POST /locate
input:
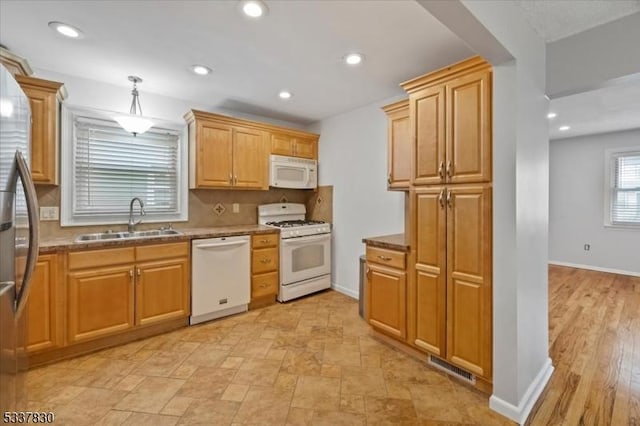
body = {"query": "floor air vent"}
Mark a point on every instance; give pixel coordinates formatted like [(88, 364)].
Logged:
[(452, 369)]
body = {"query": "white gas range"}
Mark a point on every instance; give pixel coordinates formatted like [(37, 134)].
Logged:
[(305, 249)]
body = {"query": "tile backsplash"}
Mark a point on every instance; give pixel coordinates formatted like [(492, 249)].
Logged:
[(207, 207)]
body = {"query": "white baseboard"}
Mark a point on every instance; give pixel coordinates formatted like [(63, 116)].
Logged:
[(344, 290), (595, 268), (520, 413)]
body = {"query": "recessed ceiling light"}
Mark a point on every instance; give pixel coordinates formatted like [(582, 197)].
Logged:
[(254, 8), (353, 59), (563, 128), (66, 29), (285, 95), (200, 69), (552, 115)]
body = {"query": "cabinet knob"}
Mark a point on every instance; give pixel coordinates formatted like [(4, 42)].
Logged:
[(264, 285), (264, 241), (385, 258), (266, 260)]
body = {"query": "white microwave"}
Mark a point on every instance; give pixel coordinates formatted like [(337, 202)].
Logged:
[(293, 172)]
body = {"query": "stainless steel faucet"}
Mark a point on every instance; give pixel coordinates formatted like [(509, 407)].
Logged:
[(132, 225)]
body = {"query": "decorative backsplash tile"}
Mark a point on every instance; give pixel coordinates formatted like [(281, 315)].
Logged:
[(219, 209)]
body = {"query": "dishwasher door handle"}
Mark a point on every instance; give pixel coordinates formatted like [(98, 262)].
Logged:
[(216, 245)]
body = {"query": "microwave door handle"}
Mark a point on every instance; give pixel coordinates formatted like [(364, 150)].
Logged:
[(34, 237)]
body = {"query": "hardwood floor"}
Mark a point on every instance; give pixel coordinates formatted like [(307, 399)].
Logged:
[(594, 335)]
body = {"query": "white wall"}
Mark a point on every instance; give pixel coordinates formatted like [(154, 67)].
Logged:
[(577, 186), (520, 197), (98, 95), (588, 59), (353, 158)]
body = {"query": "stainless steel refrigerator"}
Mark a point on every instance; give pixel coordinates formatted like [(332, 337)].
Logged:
[(18, 238)]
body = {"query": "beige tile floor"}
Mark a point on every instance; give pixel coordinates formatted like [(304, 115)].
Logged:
[(311, 361)]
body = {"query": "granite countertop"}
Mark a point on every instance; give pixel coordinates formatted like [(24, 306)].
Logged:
[(187, 234), (391, 242)]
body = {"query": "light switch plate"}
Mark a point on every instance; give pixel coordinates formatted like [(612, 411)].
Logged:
[(236, 208), (49, 213)]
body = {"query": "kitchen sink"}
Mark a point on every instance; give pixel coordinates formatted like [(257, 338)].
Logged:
[(126, 235)]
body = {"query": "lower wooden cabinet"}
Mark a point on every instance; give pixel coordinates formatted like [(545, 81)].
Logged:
[(162, 285), (113, 290), (43, 311), (99, 302), (387, 291), (264, 269)]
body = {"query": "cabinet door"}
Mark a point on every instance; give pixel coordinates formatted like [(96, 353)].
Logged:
[(249, 158), (43, 326), (387, 300), (281, 144), (469, 128), (469, 302), (44, 135), (427, 111), (214, 156), (430, 269), (162, 290), (100, 302), (399, 152), (305, 148)]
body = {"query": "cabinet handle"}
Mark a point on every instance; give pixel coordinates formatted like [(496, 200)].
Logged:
[(138, 271), (449, 199), (235, 179), (264, 285), (441, 199), (441, 170), (389, 179), (268, 260), (130, 273), (230, 178), (264, 241), (385, 258), (449, 169)]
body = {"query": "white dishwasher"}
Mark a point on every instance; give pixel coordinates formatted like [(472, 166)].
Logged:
[(220, 277)]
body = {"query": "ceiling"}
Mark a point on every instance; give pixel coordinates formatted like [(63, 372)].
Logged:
[(297, 46), (554, 19), (604, 110)]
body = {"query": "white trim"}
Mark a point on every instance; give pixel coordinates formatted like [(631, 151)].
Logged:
[(595, 268), (520, 413), (344, 290)]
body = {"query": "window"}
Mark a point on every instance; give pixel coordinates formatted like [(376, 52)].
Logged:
[(104, 167), (622, 202)]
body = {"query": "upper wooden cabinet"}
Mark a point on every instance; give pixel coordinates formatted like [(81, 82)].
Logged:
[(450, 115), (44, 99), (294, 145), (224, 154), (399, 143)]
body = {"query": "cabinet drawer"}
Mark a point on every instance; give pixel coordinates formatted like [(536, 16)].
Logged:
[(264, 260), (264, 240), (391, 258), (105, 257), (264, 284), (162, 251)]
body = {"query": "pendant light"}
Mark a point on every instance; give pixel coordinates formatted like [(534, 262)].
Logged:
[(134, 122)]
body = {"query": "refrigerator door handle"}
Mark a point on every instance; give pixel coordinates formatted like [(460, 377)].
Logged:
[(34, 237)]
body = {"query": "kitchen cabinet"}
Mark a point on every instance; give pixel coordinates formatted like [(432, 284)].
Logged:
[(162, 283), (100, 293), (224, 155), (43, 310), (118, 289), (399, 145), (294, 145), (44, 99), (450, 116), (452, 294), (264, 269), (386, 291)]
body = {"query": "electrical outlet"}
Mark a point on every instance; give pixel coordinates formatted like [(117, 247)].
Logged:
[(49, 213), (236, 208), (587, 247)]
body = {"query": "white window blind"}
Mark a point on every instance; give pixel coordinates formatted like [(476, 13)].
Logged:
[(625, 189), (111, 166)]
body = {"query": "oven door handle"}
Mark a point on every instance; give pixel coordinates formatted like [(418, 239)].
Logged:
[(305, 240)]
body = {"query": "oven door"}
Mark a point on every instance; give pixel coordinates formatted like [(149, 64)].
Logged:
[(304, 257)]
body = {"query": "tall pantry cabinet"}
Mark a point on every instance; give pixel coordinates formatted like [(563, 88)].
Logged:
[(448, 307)]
